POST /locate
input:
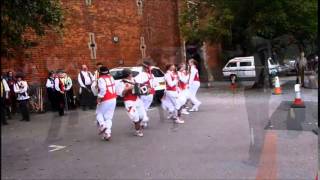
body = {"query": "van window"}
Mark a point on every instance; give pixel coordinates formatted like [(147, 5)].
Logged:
[(245, 63), (118, 74), (157, 73), (232, 64), (273, 62)]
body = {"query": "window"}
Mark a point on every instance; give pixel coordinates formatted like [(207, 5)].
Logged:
[(245, 63), (118, 74), (272, 61), (157, 73), (135, 73), (232, 64)]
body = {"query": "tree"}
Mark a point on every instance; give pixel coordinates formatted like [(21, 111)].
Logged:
[(238, 22), (20, 16)]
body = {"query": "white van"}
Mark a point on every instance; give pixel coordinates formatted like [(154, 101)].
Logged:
[(244, 68)]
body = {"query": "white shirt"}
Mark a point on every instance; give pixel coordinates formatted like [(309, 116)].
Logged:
[(168, 78), (143, 77), (21, 88), (96, 74), (56, 84), (86, 75), (50, 83), (6, 88), (193, 73), (183, 77), (102, 85)]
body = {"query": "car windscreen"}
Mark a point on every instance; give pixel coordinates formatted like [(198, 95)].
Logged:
[(157, 73), (232, 64), (273, 62), (119, 75)]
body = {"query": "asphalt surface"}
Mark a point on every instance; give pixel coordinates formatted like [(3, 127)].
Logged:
[(235, 135)]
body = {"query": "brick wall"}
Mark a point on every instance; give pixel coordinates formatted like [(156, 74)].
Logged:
[(158, 25), (161, 31)]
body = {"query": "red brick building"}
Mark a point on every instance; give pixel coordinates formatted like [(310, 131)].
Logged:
[(114, 32)]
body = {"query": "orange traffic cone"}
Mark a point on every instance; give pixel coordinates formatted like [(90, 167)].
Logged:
[(298, 103), (277, 87)]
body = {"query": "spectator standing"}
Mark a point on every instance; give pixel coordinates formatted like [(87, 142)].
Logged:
[(21, 88), (60, 88), (85, 79), (69, 91), (300, 66), (4, 88), (51, 91), (12, 100)]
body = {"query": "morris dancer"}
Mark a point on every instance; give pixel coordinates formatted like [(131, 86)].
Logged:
[(85, 79), (94, 85), (146, 78), (171, 101), (60, 95), (132, 102), (183, 84), (194, 84), (21, 88), (106, 102)]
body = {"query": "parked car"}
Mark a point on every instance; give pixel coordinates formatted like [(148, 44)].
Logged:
[(156, 71), (244, 68), (290, 64)]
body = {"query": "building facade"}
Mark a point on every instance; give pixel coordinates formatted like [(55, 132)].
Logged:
[(114, 32)]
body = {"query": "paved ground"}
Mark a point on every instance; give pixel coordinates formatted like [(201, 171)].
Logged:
[(248, 134)]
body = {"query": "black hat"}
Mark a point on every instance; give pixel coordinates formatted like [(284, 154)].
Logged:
[(103, 70), (19, 75), (60, 71), (146, 63), (126, 72)]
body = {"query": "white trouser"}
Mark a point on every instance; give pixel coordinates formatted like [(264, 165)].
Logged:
[(136, 111), (104, 112), (147, 100), (193, 88), (172, 101), (167, 105), (186, 93)]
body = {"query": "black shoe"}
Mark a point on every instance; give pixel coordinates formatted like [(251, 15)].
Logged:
[(22, 120), (4, 123)]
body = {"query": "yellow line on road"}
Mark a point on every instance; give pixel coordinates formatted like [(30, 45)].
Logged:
[(267, 169)]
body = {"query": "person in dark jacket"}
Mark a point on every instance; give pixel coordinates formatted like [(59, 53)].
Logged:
[(11, 102), (4, 88), (21, 88), (51, 91), (85, 79)]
